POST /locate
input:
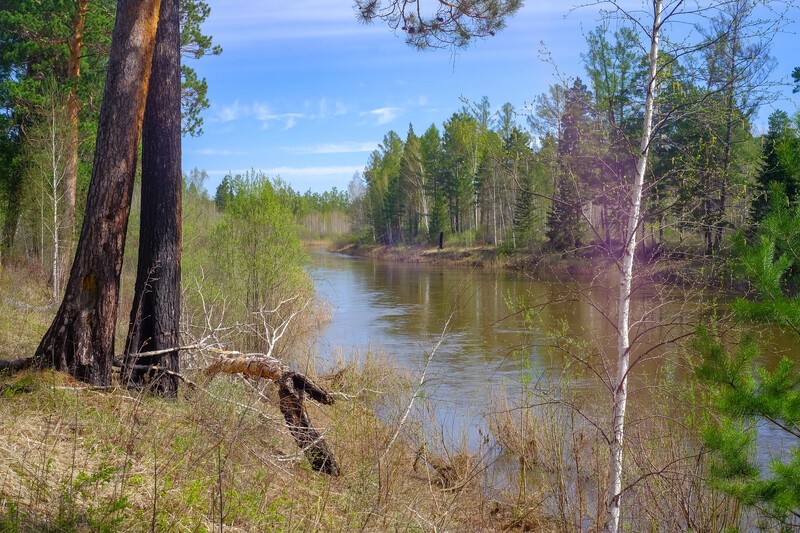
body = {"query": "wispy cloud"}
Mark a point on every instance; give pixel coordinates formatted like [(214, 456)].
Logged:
[(218, 151), (231, 112), (259, 111), (255, 20), (326, 108), (259, 21), (262, 112), (383, 114), (333, 148), (294, 172)]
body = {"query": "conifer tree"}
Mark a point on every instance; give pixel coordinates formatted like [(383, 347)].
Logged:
[(745, 395), (781, 164), (565, 219)]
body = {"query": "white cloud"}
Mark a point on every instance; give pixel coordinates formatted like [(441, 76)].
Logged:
[(259, 111), (384, 114), (218, 151), (262, 112), (333, 148), (326, 108), (294, 172), (291, 119), (259, 21), (232, 112)]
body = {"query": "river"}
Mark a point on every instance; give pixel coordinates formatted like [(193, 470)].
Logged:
[(401, 309)]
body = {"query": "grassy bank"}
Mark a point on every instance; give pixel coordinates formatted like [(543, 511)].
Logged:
[(219, 458), (473, 256), (687, 267)]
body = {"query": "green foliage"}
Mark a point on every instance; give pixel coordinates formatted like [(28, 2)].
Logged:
[(194, 44), (224, 193), (449, 24), (781, 165), (745, 394), (742, 397), (616, 71), (465, 180), (565, 220), (384, 202), (769, 262), (35, 40), (246, 258), (261, 261), (34, 37), (40, 206), (796, 78), (526, 223)]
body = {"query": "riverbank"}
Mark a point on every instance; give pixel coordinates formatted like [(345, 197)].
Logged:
[(676, 268), (219, 458), (473, 256)]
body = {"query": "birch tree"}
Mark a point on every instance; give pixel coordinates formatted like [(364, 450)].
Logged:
[(619, 381), (47, 153), (650, 24)]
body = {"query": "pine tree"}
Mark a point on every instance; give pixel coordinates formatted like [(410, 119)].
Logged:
[(744, 397), (781, 164), (565, 219)]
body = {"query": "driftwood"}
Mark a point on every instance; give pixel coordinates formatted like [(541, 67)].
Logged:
[(16, 365), (292, 389)]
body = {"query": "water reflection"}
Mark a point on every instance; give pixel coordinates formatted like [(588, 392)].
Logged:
[(401, 309)]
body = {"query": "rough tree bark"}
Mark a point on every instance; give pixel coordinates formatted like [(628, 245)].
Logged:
[(155, 316), (81, 338), (75, 45)]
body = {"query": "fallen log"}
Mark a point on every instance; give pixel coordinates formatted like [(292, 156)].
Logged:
[(292, 389), (15, 365)]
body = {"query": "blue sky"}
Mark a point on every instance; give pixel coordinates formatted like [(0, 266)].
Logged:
[(305, 92)]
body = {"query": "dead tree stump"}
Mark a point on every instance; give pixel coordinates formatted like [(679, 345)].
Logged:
[(292, 389)]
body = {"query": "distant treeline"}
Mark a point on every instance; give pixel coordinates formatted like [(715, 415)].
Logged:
[(317, 215), (564, 181)]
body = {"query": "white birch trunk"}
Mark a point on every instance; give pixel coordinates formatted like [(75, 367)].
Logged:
[(620, 383), (494, 206), (424, 201), (55, 186)]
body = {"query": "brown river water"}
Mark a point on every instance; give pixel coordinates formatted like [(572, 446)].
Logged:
[(400, 309)]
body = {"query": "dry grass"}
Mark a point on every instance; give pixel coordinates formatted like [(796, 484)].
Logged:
[(556, 458), (220, 459), (75, 459), (25, 306)]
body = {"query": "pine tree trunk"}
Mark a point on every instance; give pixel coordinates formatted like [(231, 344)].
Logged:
[(73, 140), (619, 386), (81, 338), (155, 316)]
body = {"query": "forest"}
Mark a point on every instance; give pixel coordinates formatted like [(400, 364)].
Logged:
[(159, 370), (558, 180)]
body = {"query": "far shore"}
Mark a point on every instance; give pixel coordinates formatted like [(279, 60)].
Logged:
[(668, 268)]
